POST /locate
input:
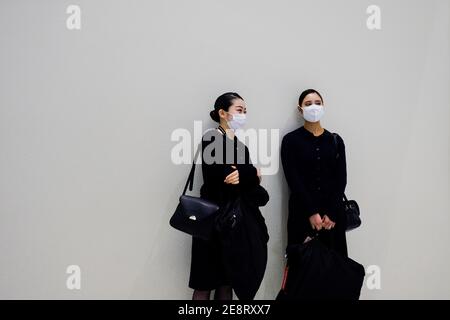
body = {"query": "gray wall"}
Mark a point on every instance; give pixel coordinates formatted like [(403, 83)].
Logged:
[(87, 115)]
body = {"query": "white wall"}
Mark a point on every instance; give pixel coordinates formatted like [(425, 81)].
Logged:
[(86, 119)]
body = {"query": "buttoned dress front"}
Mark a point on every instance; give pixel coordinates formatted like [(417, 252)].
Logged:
[(315, 170)]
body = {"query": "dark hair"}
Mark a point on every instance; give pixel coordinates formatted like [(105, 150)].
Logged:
[(305, 93), (223, 102)]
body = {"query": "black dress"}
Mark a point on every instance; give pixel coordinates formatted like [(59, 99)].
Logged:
[(317, 180), (208, 270)]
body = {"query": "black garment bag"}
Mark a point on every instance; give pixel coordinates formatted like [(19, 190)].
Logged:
[(315, 272)]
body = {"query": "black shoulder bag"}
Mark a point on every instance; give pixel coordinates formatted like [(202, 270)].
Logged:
[(194, 215), (351, 207)]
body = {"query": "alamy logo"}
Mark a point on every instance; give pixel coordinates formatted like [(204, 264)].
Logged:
[(263, 146), (73, 21), (73, 282), (374, 20), (373, 280)]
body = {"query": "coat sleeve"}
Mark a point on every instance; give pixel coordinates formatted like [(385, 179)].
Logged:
[(300, 199), (340, 179), (258, 196), (248, 177), (213, 173)]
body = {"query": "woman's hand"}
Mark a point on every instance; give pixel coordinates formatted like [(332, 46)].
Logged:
[(232, 178), (327, 223), (316, 221), (258, 174)]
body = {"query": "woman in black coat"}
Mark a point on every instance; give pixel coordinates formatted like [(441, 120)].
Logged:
[(316, 178), (228, 173)]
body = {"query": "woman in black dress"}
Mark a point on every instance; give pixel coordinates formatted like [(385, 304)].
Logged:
[(227, 173), (316, 177)]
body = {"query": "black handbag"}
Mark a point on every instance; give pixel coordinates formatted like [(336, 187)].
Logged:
[(194, 215), (351, 208)]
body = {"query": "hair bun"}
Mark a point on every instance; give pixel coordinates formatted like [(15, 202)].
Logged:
[(214, 115)]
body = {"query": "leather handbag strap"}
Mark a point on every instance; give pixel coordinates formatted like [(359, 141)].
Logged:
[(190, 180), (336, 144), (337, 155), (345, 198)]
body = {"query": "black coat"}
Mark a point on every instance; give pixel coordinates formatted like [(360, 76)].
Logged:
[(317, 181), (244, 246), (237, 258)]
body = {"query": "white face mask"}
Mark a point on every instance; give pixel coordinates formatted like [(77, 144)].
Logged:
[(313, 113), (237, 121)]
